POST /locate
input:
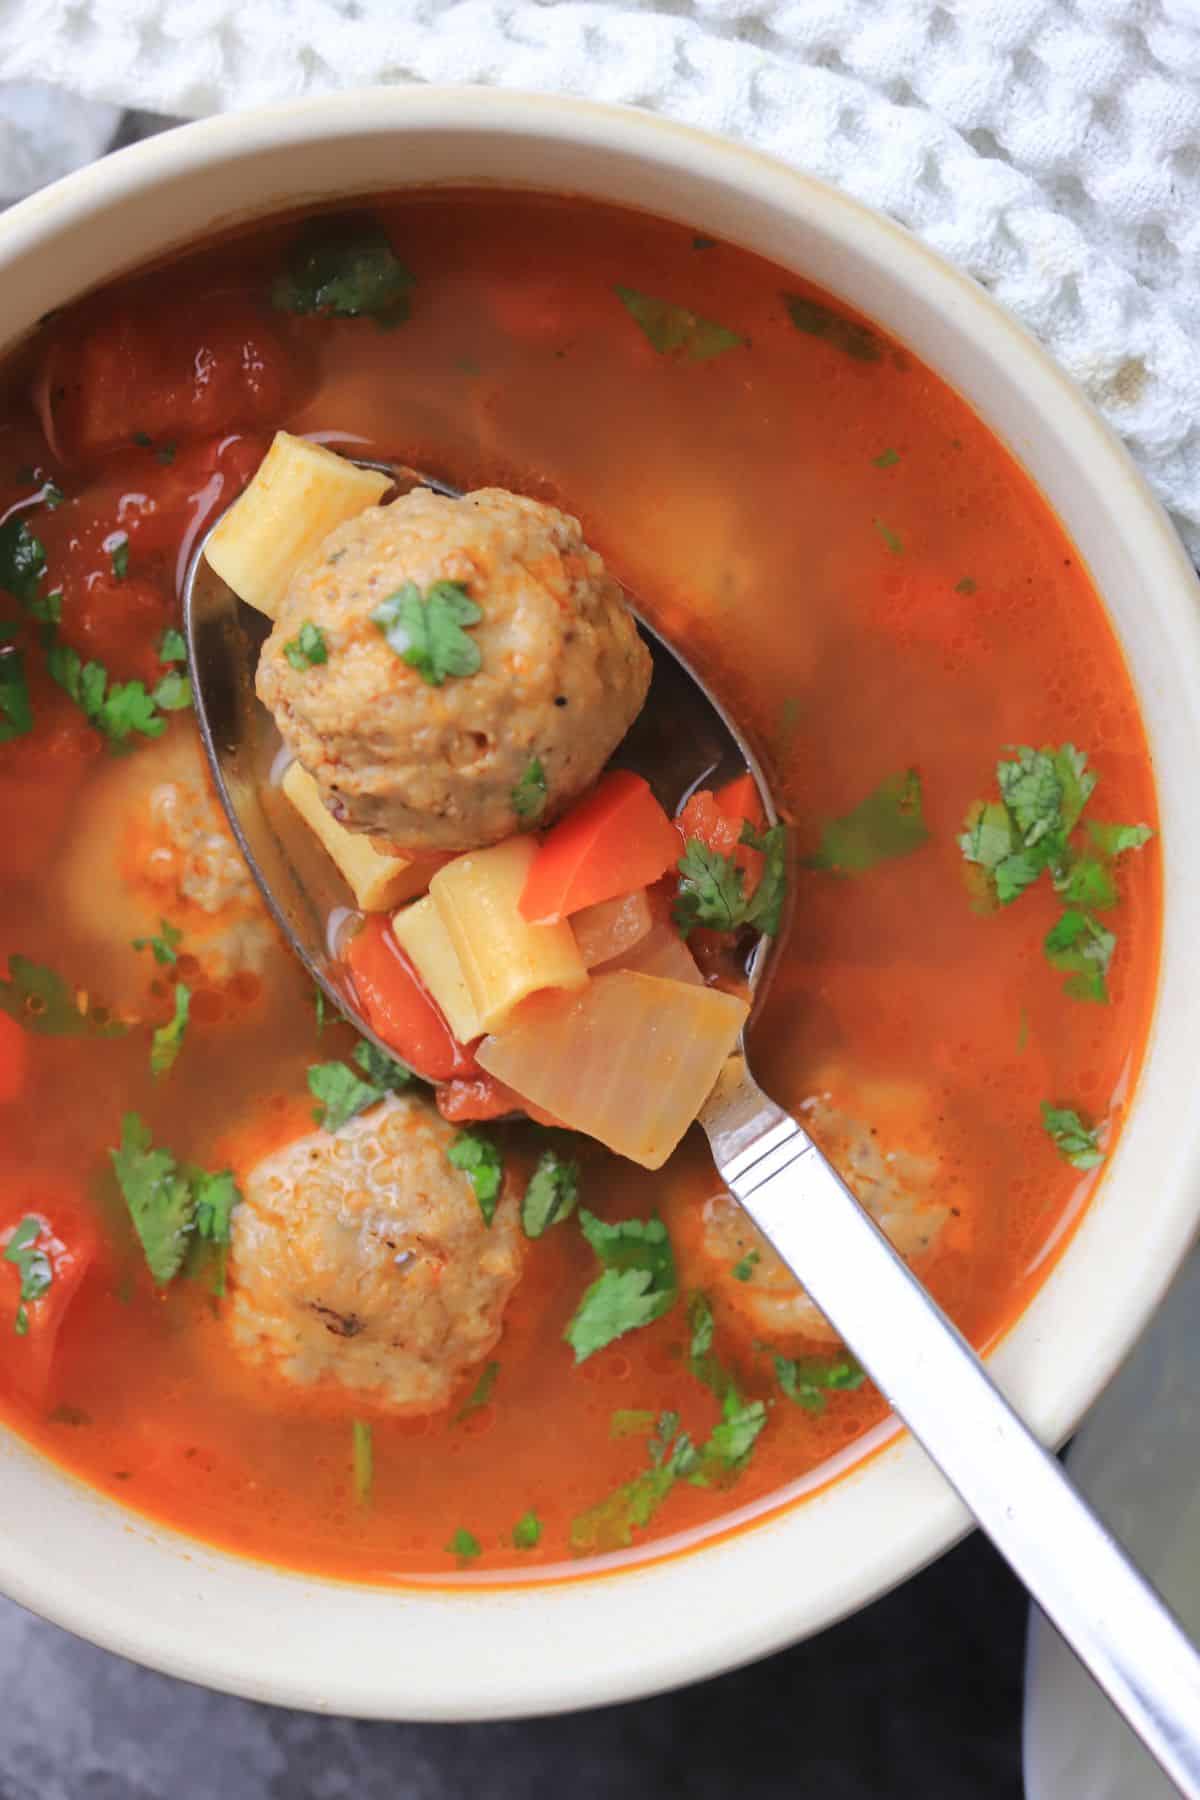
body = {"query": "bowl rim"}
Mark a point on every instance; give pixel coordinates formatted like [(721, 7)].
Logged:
[(496, 1651)]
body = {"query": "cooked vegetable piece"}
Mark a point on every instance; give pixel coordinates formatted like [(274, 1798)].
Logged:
[(1079, 1143), (616, 839), (423, 937), (817, 320), (480, 1162), (399, 1008), (637, 1284), (890, 822), (503, 957), (661, 952), (301, 491), (583, 1058), (377, 881), (611, 928)]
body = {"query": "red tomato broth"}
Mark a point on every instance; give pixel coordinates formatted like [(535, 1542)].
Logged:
[(742, 501)]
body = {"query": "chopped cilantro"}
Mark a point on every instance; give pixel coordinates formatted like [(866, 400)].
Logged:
[(41, 1001), (216, 1196), (744, 1270), (173, 692), (307, 648), (637, 1285), (965, 586), (551, 1195), (840, 333), (727, 1449), (529, 795), (22, 560), (630, 1421), (120, 559), (1088, 882), (33, 1268), (345, 270), (809, 1379), (701, 242), (1115, 840), (889, 823), (1082, 949), (611, 1523), (142, 439), (320, 1008), (16, 712), (712, 886), (172, 647), (674, 331), (343, 1094), (465, 1545), (52, 495), (480, 1162), (46, 608), (428, 633), (167, 1041), (362, 1451), (481, 1393), (118, 709), (159, 1197), (526, 1532), (703, 1361), (165, 945), (1079, 1143), (166, 453), (892, 541), (887, 459)]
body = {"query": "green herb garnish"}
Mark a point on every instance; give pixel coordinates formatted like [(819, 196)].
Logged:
[(808, 1380), (889, 823), (173, 646), (345, 271), (481, 1393), (362, 1452), (893, 542), (427, 633), (834, 329), (526, 1532), (120, 559), (465, 1545), (887, 459), (167, 1203), (166, 453), (307, 648), (702, 1357), (33, 1268), (165, 945), (480, 1162), (965, 586), (744, 1270), (631, 1421), (551, 1195), (529, 795), (167, 1041), (16, 712), (712, 890), (674, 331), (41, 1001), (1079, 1143), (638, 1283), (22, 560), (343, 1094)]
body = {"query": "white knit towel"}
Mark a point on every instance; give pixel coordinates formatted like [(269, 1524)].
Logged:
[(1051, 148)]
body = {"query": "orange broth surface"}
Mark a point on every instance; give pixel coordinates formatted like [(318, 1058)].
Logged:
[(872, 586)]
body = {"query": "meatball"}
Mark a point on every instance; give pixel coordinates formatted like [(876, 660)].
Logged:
[(437, 761), (891, 1149), (362, 1262), (154, 845)]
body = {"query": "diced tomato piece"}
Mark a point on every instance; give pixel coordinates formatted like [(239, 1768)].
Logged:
[(14, 1059), (616, 839), (718, 820), (398, 1006), (69, 1240), (119, 624), (469, 1100), (169, 374)]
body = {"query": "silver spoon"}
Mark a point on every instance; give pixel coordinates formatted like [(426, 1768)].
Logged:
[(1072, 1566)]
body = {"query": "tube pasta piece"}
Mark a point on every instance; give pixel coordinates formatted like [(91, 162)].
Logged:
[(421, 935), (378, 882), (630, 1060), (503, 957), (301, 491)]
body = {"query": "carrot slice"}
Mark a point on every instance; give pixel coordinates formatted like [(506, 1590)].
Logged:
[(618, 838), (14, 1059), (399, 1008)]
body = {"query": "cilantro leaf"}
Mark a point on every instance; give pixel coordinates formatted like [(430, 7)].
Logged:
[(702, 1358), (638, 1283), (307, 648), (16, 712), (809, 1379), (215, 1196), (480, 1162), (362, 1451), (529, 795), (1081, 948), (729, 1444), (33, 1267), (165, 945), (481, 1393), (611, 1523), (887, 459), (744, 1270), (159, 1197), (888, 823), (173, 647), (167, 1041), (428, 632), (526, 1532), (764, 909), (51, 495), (120, 559), (892, 542), (40, 1000), (674, 331), (465, 1545), (834, 329), (551, 1195), (173, 692), (345, 270), (385, 1072), (1087, 882), (343, 1094), (631, 1421), (711, 889), (115, 710), (1079, 1143), (22, 560), (1115, 840), (46, 608)]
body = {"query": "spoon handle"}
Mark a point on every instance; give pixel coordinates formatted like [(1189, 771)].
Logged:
[(1117, 1625)]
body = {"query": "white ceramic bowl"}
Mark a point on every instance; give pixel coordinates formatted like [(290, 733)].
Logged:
[(493, 1651)]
